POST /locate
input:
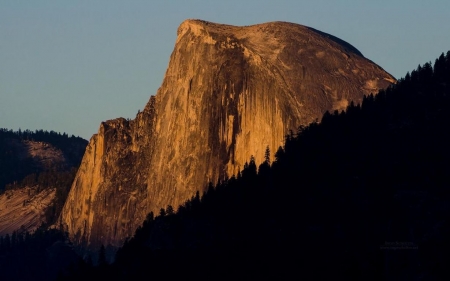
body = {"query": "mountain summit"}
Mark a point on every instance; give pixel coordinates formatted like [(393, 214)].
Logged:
[(228, 93)]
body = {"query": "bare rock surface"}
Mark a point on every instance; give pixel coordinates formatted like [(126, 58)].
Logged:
[(228, 93), (24, 209)]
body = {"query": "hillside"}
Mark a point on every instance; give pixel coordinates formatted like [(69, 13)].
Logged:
[(36, 170), (24, 209), (26, 152)]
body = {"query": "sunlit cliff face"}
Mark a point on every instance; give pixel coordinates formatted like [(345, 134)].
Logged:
[(228, 93)]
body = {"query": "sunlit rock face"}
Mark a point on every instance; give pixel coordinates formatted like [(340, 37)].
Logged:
[(107, 200), (23, 209), (228, 93)]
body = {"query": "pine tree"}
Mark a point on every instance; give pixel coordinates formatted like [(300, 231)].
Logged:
[(267, 155), (169, 210)]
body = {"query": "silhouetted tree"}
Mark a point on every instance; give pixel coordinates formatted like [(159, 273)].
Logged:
[(169, 210), (267, 155)]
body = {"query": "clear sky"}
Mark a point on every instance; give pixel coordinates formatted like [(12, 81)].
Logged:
[(67, 65)]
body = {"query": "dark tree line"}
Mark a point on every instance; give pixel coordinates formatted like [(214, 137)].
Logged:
[(41, 255)]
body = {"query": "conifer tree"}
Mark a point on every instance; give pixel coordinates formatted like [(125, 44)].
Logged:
[(267, 155)]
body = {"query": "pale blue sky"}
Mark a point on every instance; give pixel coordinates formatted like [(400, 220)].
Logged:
[(68, 65)]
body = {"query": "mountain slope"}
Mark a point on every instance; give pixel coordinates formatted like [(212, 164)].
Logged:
[(26, 152), (228, 93), (24, 209), (36, 169)]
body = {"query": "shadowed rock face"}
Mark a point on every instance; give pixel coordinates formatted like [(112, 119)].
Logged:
[(228, 93)]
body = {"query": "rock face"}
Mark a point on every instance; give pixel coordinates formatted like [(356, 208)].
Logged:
[(228, 93), (23, 209)]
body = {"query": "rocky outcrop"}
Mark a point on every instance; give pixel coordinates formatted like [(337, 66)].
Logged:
[(108, 196), (24, 209), (228, 93)]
